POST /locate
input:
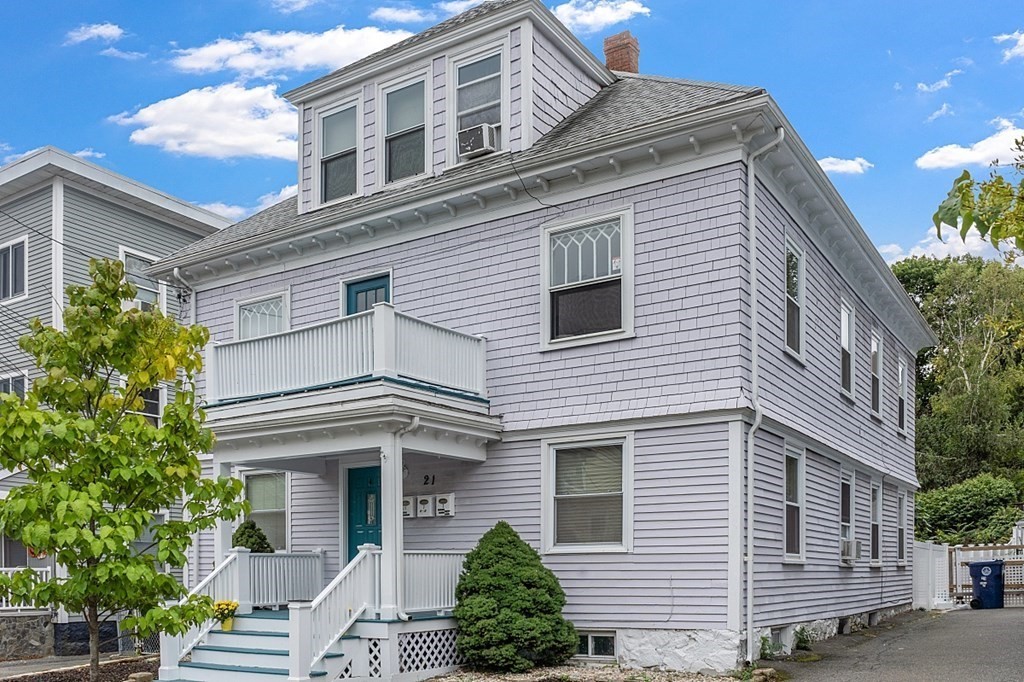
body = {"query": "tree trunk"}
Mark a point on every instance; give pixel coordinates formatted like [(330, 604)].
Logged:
[(92, 618)]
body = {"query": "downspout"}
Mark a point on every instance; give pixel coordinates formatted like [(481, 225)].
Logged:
[(193, 565), (755, 379), (400, 572)]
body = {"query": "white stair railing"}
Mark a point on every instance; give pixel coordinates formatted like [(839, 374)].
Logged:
[(315, 626), (227, 581), (430, 579)]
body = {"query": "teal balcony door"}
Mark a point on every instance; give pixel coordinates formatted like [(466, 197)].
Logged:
[(363, 508), (365, 294)]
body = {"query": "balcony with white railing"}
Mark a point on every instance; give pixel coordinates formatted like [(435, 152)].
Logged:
[(8, 605), (378, 343)]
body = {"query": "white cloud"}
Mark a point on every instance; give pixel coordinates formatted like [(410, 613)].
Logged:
[(127, 55), (106, 32), (401, 15), (4, 147), (456, 6), (931, 245), (221, 122), (857, 166), (11, 158), (589, 16), (944, 110), (89, 153), (236, 212), (292, 6), (998, 145), (897, 86), (1016, 49), (941, 84), (261, 54)]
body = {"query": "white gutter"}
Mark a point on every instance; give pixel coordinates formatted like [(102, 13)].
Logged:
[(400, 551), (755, 382)]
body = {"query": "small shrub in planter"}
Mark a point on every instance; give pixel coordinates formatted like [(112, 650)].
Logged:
[(509, 607), (252, 537)]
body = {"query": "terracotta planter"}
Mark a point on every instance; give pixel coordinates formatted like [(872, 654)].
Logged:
[(227, 624)]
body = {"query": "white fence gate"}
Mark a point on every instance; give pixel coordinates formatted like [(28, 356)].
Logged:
[(931, 576)]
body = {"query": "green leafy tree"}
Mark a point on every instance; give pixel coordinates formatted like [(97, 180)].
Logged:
[(100, 473), (252, 537), (982, 509), (509, 607), (995, 206)]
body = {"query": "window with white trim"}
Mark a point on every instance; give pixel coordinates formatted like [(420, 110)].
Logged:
[(14, 383), (147, 295), (589, 495), (901, 527), (405, 132), (478, 94), (876, 373), (596, 645), (794, 502), (587, 279), (262, 317), (876, 524), (794, 298), (14, 269), (13, 554), (901, 395), (267, 497), (338, 152), (846, 507), (152, 405), (847, 345)]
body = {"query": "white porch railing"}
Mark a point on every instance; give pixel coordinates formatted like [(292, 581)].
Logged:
[(6, 604), (379, 342), (430, 579), (280, 578)]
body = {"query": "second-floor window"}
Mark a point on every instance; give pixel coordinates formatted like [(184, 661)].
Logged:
[(478, 94), (586, 267), (794, 298), (13, 268), (338, 154), (147, 295), (262, 317), (901, 395), (405, 134), (876, 374), (14, 383), (846, 347)]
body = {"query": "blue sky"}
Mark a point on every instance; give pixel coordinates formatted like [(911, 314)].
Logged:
[(900, 96)]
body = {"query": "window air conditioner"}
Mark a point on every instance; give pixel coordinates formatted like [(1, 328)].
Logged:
[(477, 141), (850, 550)]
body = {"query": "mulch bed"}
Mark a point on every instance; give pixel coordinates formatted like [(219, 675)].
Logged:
[(608, 673), (114, 671)]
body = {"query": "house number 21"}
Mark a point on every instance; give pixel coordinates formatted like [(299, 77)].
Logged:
[(429, 480)]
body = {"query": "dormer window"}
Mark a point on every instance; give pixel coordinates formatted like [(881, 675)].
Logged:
[(338, 154), (405, 134), (478, 94)]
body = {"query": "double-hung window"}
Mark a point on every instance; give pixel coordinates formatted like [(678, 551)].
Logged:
[(901, 527), (589, 502), (266, 494), (405, 132), (13, 269), (14, 383), (147, 296), (846, 507), (589, 283), (262, 317), (901, 395), (794, 502), (338, 154), (846, 338), (876, 373), (876, 524), (478, 94), (794, 298)]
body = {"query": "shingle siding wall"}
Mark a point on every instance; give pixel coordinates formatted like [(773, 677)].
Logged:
[(559, 87), (690, 335), (806, 395), (515, 79), (820, 587), (30, 216)]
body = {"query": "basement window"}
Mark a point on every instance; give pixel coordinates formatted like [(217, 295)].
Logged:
[(596, 645)]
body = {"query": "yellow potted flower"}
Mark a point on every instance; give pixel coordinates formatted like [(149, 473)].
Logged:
[(224, 611)]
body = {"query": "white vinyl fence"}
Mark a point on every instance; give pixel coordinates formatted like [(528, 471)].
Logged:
[(931, 576)]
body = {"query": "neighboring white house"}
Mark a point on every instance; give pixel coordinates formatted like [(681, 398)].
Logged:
[(518, 283), (56, 211)]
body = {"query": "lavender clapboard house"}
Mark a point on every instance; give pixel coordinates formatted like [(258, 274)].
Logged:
[(518, 283)]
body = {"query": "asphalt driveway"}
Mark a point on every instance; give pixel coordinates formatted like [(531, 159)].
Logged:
[(973, 646)]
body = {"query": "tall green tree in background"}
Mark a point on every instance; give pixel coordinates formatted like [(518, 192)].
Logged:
[(100, 474)]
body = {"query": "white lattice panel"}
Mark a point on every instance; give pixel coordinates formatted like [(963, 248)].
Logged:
[(428, 650), (375, 657)]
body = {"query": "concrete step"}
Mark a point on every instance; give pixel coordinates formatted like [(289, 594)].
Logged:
[(216, 672)]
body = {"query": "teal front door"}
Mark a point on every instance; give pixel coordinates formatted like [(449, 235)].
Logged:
[(363, 508)]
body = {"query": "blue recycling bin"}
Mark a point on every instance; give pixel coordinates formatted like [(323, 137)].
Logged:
[(987, 577)]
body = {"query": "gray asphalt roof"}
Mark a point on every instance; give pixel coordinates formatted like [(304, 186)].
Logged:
[(630, 102)]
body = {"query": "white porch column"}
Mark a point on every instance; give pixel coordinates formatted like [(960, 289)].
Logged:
[(391, 526), (222, 531)]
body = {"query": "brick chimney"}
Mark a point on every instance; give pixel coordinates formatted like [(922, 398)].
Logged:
[(622, 52)]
